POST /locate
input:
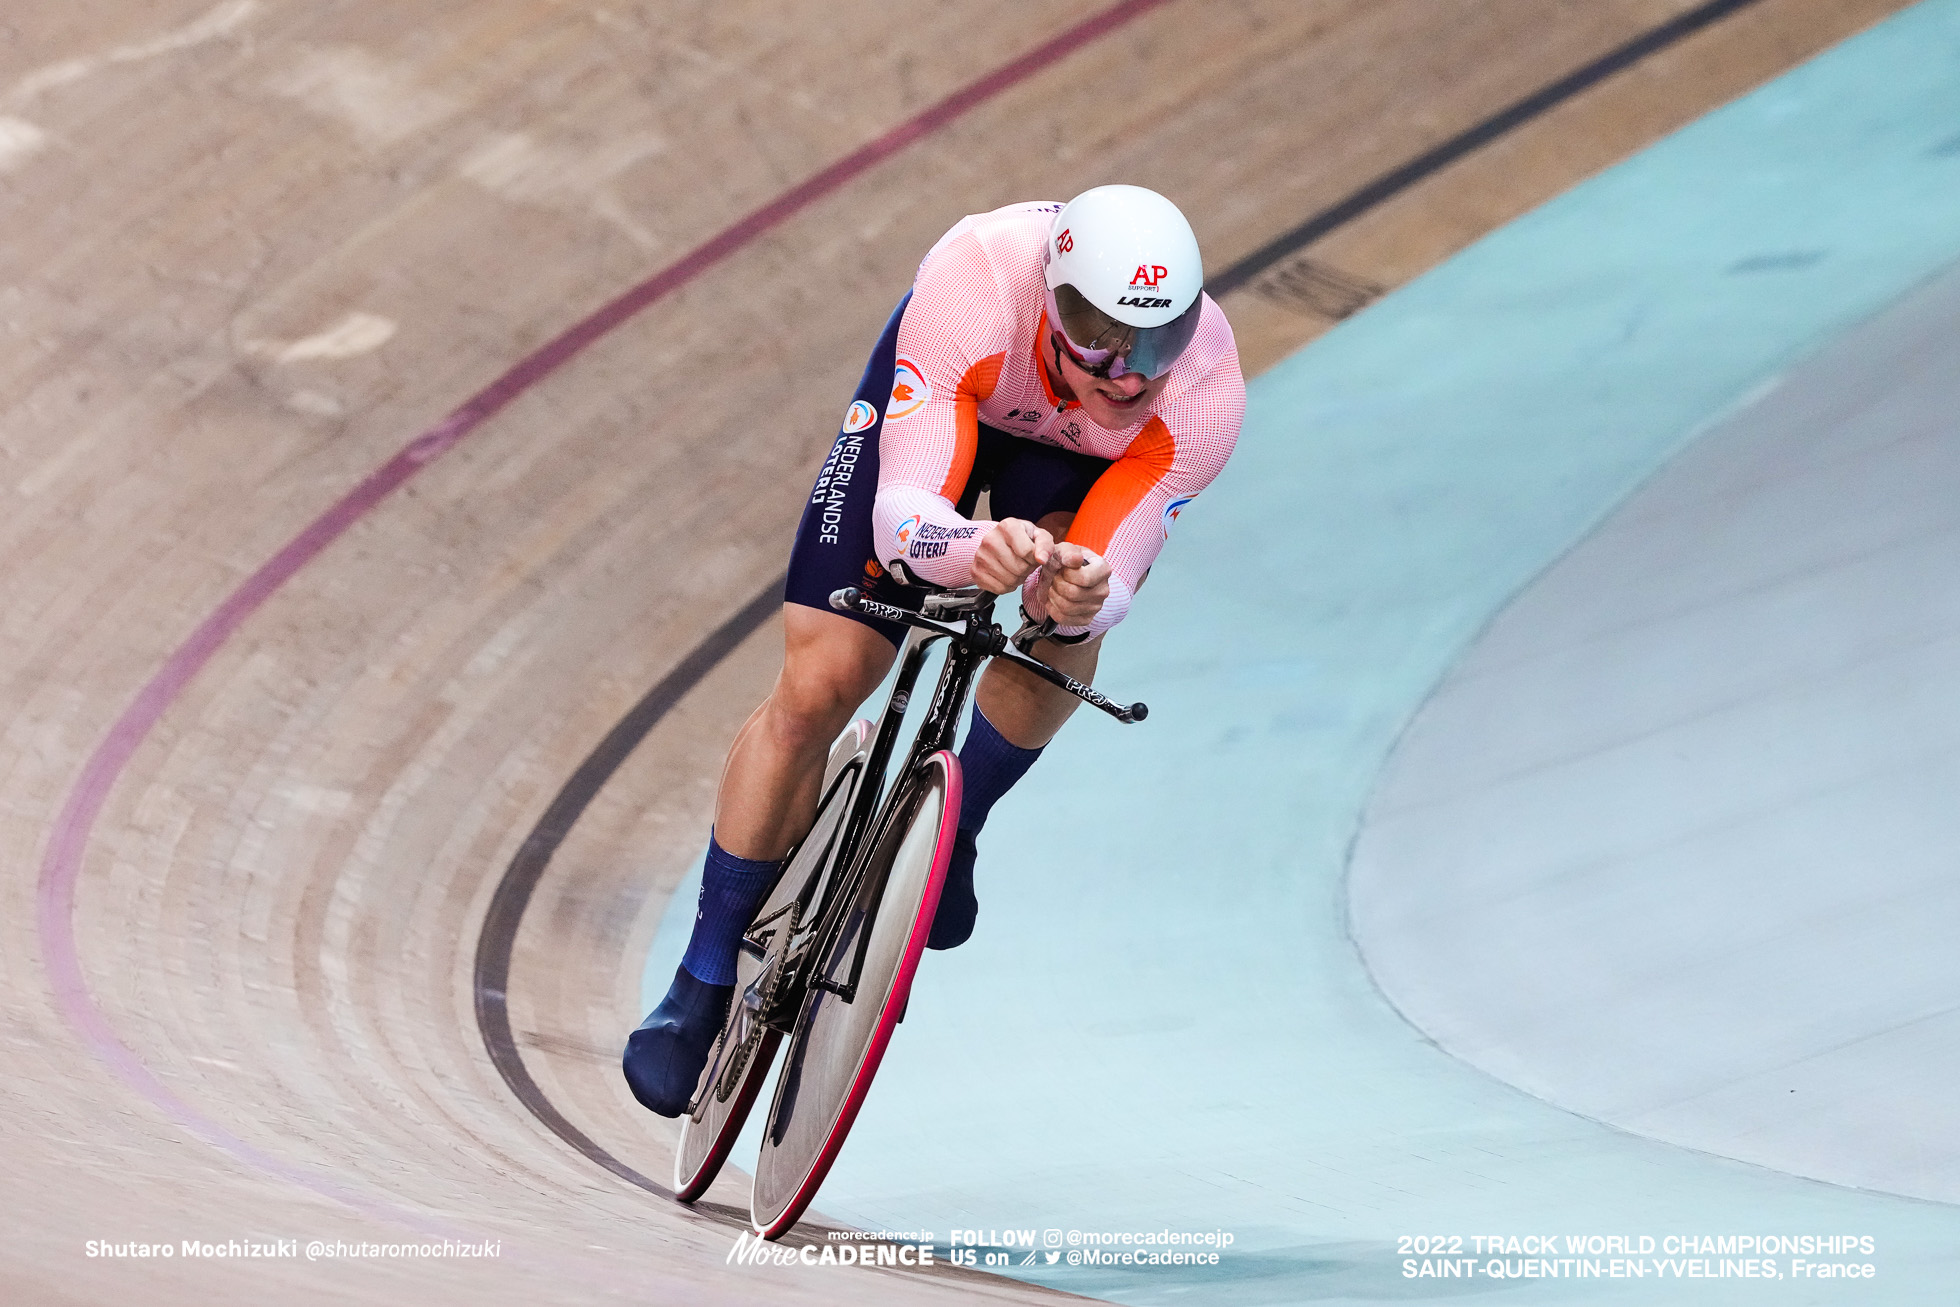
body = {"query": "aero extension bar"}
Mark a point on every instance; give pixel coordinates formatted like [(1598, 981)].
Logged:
[(983, 637)]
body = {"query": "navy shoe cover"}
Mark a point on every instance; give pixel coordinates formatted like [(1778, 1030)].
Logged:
[(953, 924), (664, 1057)]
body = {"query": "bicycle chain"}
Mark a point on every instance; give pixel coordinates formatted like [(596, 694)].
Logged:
[(771, 979)]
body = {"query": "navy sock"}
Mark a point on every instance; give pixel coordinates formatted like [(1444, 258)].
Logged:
[(732, 889), (989, 766)]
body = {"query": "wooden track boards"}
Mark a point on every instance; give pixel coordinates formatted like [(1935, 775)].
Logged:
[(251, 249)]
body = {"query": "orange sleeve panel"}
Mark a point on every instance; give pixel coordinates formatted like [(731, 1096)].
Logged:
[(975, 387), (1123, 485)]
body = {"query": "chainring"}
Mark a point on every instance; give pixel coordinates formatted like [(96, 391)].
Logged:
[(745, 1021)]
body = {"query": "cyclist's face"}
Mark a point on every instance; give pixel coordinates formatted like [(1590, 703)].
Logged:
[(1113, 402)]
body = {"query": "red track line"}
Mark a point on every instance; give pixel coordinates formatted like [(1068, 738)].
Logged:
[(61, 864)]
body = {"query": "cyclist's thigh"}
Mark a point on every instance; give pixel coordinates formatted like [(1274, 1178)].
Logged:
[(834, 546), (830, 663)]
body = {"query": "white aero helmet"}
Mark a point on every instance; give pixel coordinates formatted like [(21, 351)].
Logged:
[(1124, 281)]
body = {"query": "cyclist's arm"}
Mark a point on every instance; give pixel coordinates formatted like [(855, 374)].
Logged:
[(1126, 516), (951, 342)]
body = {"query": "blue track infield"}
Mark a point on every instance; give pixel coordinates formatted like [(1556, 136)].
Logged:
[(1160, 1023)]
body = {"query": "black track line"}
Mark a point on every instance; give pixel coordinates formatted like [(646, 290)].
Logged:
[(520, 879), (1390, 184)]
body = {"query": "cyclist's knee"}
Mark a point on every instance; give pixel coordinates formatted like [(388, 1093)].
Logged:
[(830, 665), (1078, 659), (810, 706), (1057, 523)]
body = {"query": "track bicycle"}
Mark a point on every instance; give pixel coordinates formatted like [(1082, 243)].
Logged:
[(828, 960)]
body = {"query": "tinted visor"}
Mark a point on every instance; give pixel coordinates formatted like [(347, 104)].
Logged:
[(1108, 348)]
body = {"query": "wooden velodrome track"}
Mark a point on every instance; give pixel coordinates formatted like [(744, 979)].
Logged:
[(254, 821)]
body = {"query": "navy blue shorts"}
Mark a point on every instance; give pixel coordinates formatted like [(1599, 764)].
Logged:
[(1026, 479)]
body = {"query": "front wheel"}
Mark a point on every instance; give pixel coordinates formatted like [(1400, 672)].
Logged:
[(837, 1045)]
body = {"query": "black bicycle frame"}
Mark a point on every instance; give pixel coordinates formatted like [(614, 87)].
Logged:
[(970, 645), (935, 733)]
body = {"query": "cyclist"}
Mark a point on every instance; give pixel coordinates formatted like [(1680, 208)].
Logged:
[(1064, 359)]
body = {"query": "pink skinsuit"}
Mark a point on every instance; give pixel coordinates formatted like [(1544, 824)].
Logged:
[(966, 355)]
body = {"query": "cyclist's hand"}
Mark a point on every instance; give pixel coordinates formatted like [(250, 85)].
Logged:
[(1074, 584), (1009, 553)]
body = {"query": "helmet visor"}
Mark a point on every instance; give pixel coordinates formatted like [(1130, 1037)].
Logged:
[(1104, 347)]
